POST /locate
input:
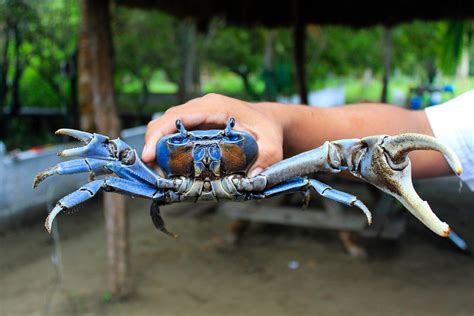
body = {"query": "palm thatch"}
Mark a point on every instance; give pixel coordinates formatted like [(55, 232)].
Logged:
[(285, 13)]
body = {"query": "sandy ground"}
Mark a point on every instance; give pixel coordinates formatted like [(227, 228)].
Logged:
[(200, 274)]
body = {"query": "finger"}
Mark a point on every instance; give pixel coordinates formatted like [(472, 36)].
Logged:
[(268, 154), (166, 124), (153, 133)]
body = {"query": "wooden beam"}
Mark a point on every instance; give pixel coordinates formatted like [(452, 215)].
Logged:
[(293, 216), (96, 89)]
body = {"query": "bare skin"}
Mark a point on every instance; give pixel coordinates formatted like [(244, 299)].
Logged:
[(285, 130)]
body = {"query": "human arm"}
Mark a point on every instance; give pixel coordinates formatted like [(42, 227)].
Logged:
[(285, 130)]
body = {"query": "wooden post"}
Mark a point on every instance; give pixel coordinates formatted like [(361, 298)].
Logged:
[(187, 58), (387, 60), (299, 38), (270, 92), (96, 87)]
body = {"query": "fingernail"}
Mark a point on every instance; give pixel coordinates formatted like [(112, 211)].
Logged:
[(146, 151), (255, 172)]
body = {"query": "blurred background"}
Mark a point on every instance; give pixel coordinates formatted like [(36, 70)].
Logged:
[(161, 61), (110, 66)]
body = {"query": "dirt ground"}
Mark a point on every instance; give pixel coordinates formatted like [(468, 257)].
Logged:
[(200, 274)]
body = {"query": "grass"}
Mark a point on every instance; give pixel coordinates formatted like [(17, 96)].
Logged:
[(356, 89)]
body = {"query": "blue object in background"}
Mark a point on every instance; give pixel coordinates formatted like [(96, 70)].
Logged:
[(449, 88), (416, 102)]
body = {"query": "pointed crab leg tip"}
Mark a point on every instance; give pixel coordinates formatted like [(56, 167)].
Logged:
[(49, 220), (47, 225), (40, 177), (167, 232), (364, 209)]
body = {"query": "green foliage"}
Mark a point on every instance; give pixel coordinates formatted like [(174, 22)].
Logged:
[(40, 37), (346, 51), (238, 50), (456, 35), (416, 47), (144, 42), (107, 297), (46, 32), (36, 92)]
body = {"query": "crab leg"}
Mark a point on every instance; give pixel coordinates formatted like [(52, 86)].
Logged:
[(386, 165), (157, 219), (105, 156), (95, 145), (323, 189), (89, 190), (380, 160), (94, 166), (325, 158)]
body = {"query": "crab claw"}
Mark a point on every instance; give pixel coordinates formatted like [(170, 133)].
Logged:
[(79, 135), (398, 147), (96, 145), (386, 165)]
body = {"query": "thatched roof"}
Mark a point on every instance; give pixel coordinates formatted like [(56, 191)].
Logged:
[(285, 13)]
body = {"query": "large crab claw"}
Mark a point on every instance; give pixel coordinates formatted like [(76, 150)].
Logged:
[(385, 164), (96, 145)]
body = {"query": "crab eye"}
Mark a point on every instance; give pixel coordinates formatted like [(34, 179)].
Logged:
[(127, 156)]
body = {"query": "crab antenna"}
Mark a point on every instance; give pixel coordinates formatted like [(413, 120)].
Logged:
[(180, 128), (229, 126)]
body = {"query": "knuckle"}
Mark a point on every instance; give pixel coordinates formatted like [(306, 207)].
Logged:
[(212, 97), (171, 110), (150, 124)]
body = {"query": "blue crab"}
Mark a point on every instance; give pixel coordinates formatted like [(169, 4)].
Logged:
[(211, 165)]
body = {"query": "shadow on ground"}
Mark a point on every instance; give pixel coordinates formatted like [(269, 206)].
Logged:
[(199, 274)]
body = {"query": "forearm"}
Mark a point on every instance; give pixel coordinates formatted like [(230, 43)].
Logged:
[(309, 127)]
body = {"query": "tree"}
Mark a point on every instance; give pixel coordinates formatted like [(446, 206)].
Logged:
[(240, 51), (457, 38), (17, 17), (144, 42)]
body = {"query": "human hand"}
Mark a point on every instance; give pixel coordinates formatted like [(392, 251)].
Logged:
[(213, 111)]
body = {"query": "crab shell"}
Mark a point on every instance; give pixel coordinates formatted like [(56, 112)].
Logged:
[(206, 153)]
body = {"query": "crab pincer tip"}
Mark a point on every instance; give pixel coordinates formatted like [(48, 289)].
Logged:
[(446, 232)]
